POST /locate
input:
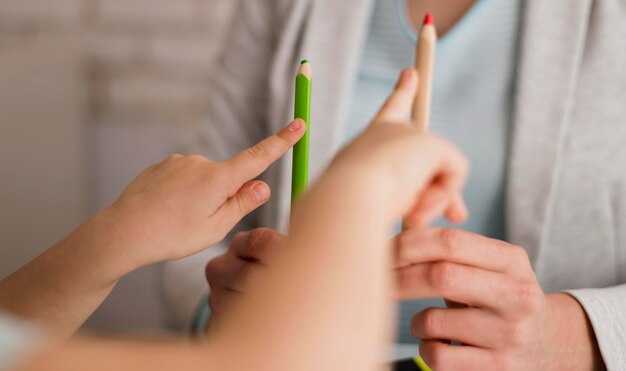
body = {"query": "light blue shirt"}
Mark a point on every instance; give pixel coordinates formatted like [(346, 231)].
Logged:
[(472, 101)]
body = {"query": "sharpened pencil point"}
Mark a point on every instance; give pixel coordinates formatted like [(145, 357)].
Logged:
[(429, 19), (305, 69)]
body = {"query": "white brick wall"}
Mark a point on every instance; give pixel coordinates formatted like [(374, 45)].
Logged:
[(148, 60)]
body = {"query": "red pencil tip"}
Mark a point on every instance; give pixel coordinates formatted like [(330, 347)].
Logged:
[(429, 19)]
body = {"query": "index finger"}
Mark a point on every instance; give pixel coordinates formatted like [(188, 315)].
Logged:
[(397, 107), (419, 246), (250, 163)]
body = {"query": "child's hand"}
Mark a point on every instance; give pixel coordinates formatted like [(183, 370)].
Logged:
[(390, 160), (187, 203), (408, 163)]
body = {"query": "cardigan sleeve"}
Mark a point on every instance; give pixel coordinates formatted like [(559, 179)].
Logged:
[(606, 309)]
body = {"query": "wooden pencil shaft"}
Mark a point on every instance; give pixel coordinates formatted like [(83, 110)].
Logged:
[(425, 65)]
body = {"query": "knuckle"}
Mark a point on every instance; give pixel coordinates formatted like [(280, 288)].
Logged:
[(452, 239), (257, 241), (260, 240), (519, 254), (258, 152), (529, 298), (443, 276), (515, 334), (220, 175), (258, 236)]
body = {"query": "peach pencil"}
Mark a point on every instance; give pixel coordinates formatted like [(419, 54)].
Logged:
[(425, 64)]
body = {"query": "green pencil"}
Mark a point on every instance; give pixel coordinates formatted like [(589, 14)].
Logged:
[(300, 167)]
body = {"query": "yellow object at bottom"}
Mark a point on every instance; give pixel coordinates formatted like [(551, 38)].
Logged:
[(421, 364)]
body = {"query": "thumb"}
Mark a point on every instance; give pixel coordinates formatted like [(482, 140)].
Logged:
[(248, 198)]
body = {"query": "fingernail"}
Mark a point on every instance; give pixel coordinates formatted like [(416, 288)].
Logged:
[(296, 125), (260, 192)]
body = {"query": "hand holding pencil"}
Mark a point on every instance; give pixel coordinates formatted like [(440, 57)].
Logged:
[(420, 118)]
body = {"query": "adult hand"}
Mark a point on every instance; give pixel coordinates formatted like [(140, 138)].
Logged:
[(505, 321), (182, 205), (236, 271)]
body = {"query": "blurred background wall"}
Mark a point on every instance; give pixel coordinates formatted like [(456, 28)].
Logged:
[(91, 92)]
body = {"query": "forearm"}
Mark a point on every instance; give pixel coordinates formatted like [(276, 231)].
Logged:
[(63, 286), (328, 294), (100, 354)]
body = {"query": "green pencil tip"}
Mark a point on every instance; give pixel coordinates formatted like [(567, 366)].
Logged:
[(304, 61)]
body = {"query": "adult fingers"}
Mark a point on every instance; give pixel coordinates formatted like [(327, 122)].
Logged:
[(400, 102), (416, 246), (259, 245), (220, 272), (452, 169), (232, 274), (434, 202), (444, 357), (470, 326), (506, 296), (255, 160), (239, 240)]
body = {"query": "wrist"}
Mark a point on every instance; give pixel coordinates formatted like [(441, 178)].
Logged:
[(362, 181), (101, 240), (573, 334)]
